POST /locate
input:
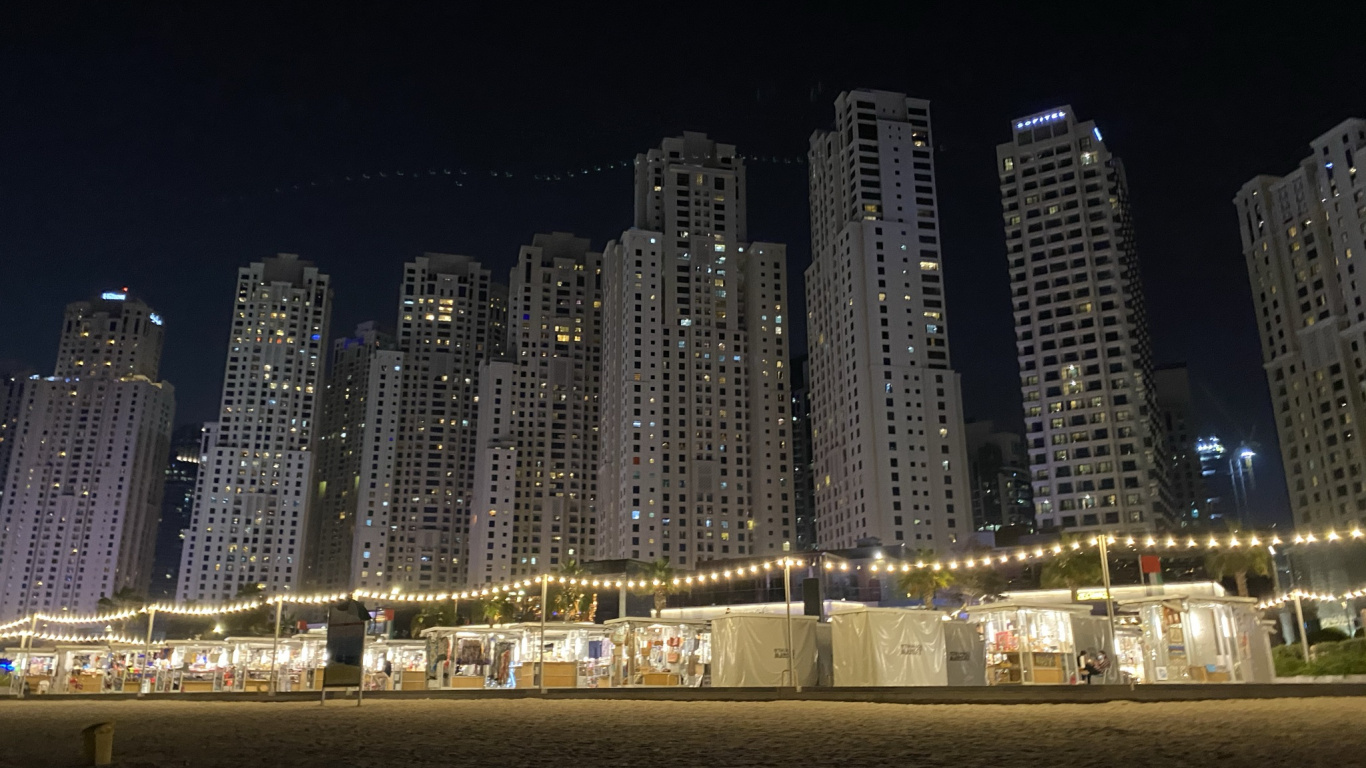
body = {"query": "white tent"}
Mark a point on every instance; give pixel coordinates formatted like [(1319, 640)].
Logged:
[(750, 651), (967, 659), (1203, 640), (889, 646)]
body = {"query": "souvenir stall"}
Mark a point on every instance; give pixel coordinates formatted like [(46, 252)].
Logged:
[(659, 652), (577, 655), (1129, 654), (193, 666), (751, 651), (312, 658), (97, 668), (407, 661), (250, 665), (966, 662), (473, 656), (888, 646), (1202, 640), (1028, 643), (34, 670)]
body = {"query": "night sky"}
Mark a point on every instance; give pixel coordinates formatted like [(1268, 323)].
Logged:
[(163, 147)]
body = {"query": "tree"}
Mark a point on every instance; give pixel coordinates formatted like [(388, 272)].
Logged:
[(1072, 569), (924, 583), (497, 608), (258, 621), (661, 576), (569, 597), (976, 584), (1238, 562), (126, 599), (435, 614)]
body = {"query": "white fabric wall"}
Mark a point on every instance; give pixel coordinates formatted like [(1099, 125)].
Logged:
[(750, 651), (967, 657), (889, 647)]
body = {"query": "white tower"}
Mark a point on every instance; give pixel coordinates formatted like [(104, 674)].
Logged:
[(88, 452), (255, 484), (696, 421), (886, 409)]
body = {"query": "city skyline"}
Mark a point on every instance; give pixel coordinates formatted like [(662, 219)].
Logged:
[(214, 197)]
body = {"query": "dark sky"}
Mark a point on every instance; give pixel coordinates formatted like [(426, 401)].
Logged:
[(159, 147)]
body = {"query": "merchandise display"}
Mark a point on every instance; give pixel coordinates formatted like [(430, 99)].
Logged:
[(1203, 640), (34, 670), (111, 668), (192, 666), (576, 656), (652, 652), (395, 665), (1028, 643)]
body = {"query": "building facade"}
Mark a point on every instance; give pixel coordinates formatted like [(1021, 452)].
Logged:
[(255, 484), (1002, 494), (536, 477), (886, 409), (1175, 409), (87, 459), (696, 444), (1301, 235), (803, 456), (177, 507), (1091, 416), (355, 456), (448, 314)]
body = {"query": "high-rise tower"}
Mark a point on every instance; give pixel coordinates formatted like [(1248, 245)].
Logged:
[(88, 452), (696, 418), (886, 410), (1086, 371), (255, 484), (536, 487)]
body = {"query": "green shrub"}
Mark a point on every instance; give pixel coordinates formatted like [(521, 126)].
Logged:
[(1344, 657)]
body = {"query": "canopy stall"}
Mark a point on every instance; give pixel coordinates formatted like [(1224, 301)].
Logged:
[(966, 655), (577, 655), (192, 666), (250, 665), (97, 668), (1028, 643), (751, 651), (34, 670), (406, 661), (1202, 640), (659, 652), (889, 646)]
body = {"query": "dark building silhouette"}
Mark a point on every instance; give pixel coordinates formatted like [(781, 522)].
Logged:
[(1183, 469), (803, 460), (1002, 495), (177, 503)]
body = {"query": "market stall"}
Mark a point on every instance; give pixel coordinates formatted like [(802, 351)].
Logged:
[(97, 668), (406, 662), (1129, 654), (653, 652), (966, 662), (577, 655), (751, 650), (1091, 635), (888, 646), (250, 665), (1202, 640), (1028, 643), (193, 666), (34, 670)]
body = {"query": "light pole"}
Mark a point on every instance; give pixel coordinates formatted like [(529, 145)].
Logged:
[(147, 649), (1104, 538), (540, 662), (1299, 629), (787, 598), (275, 646)]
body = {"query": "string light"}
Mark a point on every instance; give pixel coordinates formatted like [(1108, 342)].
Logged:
[(1313, 596), (98, 618)]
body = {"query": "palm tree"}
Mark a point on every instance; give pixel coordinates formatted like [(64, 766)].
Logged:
[(435, 614), (1072, 569), (1238, 563), (496, 607), (661, 575), (258, 621), (569, 597), (924, 583), (126, 599), (977, 584)]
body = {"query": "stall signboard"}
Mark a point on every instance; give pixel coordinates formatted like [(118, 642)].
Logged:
[(346, 622)]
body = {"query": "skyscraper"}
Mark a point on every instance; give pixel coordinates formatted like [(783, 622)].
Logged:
[(87, 459), (536, 486), (255, 484), (13, 377), (448, 314), (1301, 235), (886, 409), (1175, 408), (177, 507), (1002, 494), (356, 451), (803, 457), (1081, 330), (696, 434)]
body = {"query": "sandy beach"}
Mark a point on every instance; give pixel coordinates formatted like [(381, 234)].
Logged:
[(161, 734)]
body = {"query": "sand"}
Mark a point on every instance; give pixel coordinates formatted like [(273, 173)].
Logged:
[(436, 732)]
